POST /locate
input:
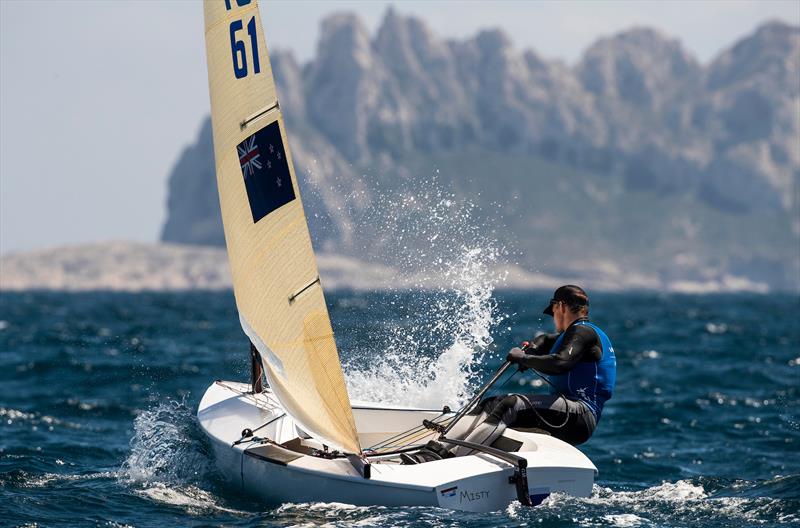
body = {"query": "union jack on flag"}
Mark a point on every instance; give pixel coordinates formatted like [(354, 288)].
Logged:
[(265, 169), (248, 156)]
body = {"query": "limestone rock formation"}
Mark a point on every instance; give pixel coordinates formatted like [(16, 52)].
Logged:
[(704, 161)]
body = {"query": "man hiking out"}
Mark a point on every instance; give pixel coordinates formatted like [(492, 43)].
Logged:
[(579, 364)]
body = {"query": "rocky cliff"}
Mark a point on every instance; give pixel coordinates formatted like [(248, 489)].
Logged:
[(637, 155)]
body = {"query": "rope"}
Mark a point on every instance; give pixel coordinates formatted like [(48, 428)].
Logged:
[(242, 438), (561, 395), (265, 405), (407, 437)]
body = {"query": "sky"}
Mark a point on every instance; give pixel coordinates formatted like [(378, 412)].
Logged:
[(98, 98)]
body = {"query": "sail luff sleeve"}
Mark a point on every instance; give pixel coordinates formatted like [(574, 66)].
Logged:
[(266, 232)]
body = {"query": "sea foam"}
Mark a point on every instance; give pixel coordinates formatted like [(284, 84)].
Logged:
[(168, 461), (430, 357)]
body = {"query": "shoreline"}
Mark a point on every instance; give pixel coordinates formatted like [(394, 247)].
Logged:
[(153, 267)]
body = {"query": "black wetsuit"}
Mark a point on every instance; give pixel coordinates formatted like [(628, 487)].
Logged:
[(568, 419)]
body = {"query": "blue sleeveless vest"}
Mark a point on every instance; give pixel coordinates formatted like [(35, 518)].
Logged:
[(591, 382)]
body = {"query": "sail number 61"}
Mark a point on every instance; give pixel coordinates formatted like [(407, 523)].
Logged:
[(238, 48)]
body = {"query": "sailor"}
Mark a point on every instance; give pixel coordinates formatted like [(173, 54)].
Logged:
[(581, 369), (579, 365)]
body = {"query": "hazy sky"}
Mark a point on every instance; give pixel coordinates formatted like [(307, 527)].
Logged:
[(97, 99)]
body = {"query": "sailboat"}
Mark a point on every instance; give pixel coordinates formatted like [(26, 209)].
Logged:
[(300, 438)]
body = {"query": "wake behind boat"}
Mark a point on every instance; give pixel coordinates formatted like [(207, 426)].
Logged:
[(302, 439)]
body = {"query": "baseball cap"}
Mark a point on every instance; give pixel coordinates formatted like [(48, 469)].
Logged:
[(571, 295)]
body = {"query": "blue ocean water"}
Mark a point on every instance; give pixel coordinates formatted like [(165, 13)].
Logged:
[(99, 392)]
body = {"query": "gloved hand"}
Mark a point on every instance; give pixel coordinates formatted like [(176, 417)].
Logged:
[(515, 355), (532, 348)]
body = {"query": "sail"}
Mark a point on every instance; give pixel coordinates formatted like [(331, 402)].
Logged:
[(275, 279)]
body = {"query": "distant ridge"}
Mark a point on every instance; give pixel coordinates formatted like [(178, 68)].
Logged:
[(133, 266), (637, 152)]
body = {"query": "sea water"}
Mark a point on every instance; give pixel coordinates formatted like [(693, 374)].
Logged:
[(98, 391), (98, 394)]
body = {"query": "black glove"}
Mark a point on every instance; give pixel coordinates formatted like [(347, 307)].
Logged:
[(533, 347), (515, 355)]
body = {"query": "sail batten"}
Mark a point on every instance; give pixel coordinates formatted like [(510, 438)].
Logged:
[(258, 115), (275, 276)]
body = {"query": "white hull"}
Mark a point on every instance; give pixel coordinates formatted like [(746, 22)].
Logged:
[(276, 474)]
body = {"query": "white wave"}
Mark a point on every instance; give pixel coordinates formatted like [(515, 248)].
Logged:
[(680, 492), (46, 479), (667, 502), (165, 448), (167, 462), (331, 514), (624, 520), (331, 507), (720, 328), (192, 499), (9, 416)]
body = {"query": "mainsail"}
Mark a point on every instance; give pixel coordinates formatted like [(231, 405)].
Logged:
[(275, 278)]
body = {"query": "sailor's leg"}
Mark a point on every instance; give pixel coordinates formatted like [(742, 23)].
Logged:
[(565, 419), (434, 450), (475, 417), (493, 422)]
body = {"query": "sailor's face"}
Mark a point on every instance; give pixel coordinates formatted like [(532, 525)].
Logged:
[(559, 315)]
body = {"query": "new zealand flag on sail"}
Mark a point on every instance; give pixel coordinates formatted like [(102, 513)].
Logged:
[(266, 171)]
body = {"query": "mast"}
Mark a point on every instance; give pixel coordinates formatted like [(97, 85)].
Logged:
[(275, 278)]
